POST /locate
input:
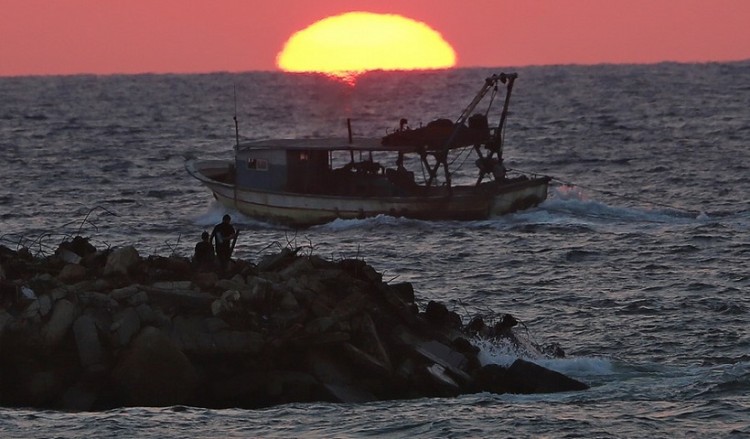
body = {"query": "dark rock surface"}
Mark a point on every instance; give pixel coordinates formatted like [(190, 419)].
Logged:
[(90, 330)]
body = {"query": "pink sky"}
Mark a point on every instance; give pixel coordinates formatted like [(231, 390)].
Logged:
[(39, 37)]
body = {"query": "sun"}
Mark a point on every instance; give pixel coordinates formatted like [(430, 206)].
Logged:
[(352, 43)]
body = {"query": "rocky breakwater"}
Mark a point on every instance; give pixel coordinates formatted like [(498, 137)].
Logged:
[(86, 329)]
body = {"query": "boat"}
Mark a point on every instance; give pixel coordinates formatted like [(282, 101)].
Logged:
[(407, 173)]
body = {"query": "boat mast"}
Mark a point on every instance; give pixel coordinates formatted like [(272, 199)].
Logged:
[(496, 144), (487, 164), (236, 124)]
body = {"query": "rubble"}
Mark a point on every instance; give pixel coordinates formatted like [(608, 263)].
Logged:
[(86, 329)]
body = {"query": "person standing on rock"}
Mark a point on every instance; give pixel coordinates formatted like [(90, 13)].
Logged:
[(204, 257), (225, 236)]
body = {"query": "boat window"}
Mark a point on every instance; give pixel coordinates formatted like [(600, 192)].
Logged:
[(257, 164)]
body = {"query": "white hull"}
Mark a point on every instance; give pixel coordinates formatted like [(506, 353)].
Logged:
[(295, 209)]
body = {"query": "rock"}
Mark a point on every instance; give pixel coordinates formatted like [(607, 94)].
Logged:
[(371, 341), (226, 303), (292, 386), (95, 299), (278, 261), (438, 314), (5, 320), (154, 372), (527, 377), (205, 280), (439, 353), (45, 305), (244, 386), (338, 380), (125, 325), (297, 268), (139, 298), (79, 397), (366, 361), (319, 325), (121, 261), (492, 378), (180, 266), (184, 285), (31, 311), (287, 301), (257, 287), (146, 315), (27, 294), (352, 304), (212, 325), (95, 261), (404, 291), (90, 349), (235, 342), (195, 336), (124, 293), (319, 340), (42, 386), (72, 273), (440, 378), (180, 298), (101, 285), (553, 350), (360, 270), (58, 325), (68, 256), (60, 292), (230, 284), (476, 327), (320, 306), (470, 351), (79, 246), (43, 283)]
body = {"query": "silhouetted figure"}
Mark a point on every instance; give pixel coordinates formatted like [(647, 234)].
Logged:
[(204, 258), (223, 235)]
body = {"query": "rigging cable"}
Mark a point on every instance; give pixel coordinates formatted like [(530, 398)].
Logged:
[(492, 99), (468, 148), (458, 156)]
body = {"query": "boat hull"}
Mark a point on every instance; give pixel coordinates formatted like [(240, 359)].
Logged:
[(294, 209)]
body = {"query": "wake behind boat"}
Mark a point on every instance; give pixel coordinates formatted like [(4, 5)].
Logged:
[(304, 182)]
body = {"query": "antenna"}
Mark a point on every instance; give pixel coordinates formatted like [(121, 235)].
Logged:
[(236, 124)]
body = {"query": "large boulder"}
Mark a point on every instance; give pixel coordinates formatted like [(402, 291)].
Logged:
[(153, 372), (72, 273), (121, 261), (90, 349), (64, 314), (526, 377)]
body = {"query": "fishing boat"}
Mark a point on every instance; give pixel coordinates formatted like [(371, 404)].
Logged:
[(407, 173)]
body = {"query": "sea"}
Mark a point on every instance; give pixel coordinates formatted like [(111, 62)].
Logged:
[(637, 264)]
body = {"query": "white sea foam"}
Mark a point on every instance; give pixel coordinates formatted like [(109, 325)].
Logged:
[(216, 211), (504, 353)]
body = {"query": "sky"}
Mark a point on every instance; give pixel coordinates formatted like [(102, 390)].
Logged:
[(53, 37)]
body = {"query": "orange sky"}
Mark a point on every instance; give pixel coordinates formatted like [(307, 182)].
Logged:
[(137, 36)]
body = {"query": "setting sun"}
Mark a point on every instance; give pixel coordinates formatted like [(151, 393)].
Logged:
[(355, 42)]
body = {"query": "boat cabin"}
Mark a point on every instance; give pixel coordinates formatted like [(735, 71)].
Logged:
[(323, 167)]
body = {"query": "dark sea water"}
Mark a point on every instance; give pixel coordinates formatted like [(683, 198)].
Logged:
[(637, 265)]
